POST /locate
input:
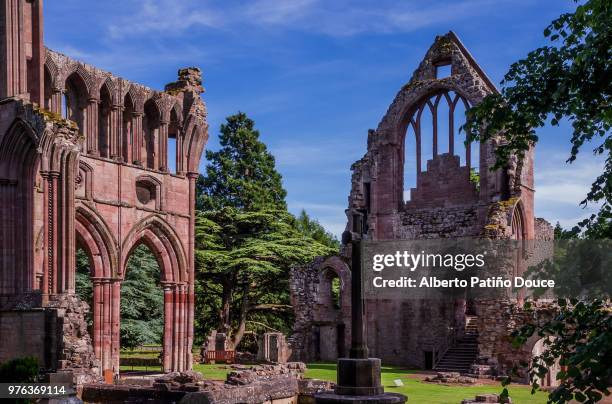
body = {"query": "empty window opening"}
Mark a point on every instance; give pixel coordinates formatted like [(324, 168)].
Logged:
[(443, 71), (434, 129), (172, 154), (410, 162)]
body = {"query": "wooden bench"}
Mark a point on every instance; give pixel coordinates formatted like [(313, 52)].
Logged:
[(220, 356)]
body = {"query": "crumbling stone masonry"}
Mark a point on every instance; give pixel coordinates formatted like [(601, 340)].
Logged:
[(84, 164), (447, 200)]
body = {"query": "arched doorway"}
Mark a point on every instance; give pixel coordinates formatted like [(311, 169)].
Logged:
[(159, 237), (142, 308), (330, 332), (151, 251)]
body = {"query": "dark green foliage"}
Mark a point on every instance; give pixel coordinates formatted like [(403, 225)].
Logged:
[(21, 370), (562, 234), (312, 228), (83, 284), (569, 79), (142, 298), (142, 301), (246, 241), (242, 173), (243, 261), (335, 292), (580, 338)]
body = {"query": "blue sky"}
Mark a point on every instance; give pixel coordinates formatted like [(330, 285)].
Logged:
[(316, 74)]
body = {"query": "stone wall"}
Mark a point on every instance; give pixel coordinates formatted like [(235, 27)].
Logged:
[(446, 201), (86, 165), (321, 331)]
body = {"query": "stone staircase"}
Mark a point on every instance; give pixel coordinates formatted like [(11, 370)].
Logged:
[(461, 356)]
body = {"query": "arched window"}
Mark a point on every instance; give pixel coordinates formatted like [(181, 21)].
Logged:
[(433, 129), (48, 89), (104, 122), (150, 126), (330, 289), (172, 150), (75, 100)]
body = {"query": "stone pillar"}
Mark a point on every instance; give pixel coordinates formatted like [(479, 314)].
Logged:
[(167, 360), (115, 324), (51, 232), (106, 325), (191, 266), (137, 135), (91, 126), (56, 101), (97, 317), (13, 66), (162, 141), (114, 135), (181, 328), (175, 318)]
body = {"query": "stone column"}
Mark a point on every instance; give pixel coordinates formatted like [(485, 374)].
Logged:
[(51, 231), (181, 328), (114, 135), (175, 334), (13, 69), (191, 267), (162, 141), (106, 325), (97, 317), (137, 135), (91, 126), (115, 324), (168, 328), (56, 101)]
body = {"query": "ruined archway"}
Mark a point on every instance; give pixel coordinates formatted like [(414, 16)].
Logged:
[(18, 167), (163, 242)]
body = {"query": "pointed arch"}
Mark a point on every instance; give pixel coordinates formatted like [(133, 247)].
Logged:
[(18, 165), (93, 234), (163, 241)]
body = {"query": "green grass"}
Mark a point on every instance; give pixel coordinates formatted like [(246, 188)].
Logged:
[(212, 372), (420, 392)]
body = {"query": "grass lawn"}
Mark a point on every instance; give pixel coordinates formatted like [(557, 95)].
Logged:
[(426, 393), (214, 372), (417, 391)]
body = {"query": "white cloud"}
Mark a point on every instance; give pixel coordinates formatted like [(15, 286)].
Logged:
[(164, 16), (332, 18), (560, 187)]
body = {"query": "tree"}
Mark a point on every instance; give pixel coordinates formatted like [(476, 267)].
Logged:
[(312, 228), (579, 337), (568, 79), (243, 260), (242, 173), (142, 300), (246, 241)]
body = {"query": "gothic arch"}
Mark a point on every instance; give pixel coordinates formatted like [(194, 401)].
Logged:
[(51, 67), (517, 222), (93, 234), (78, 70), (341, 270), (195, 138), (18, 163), (163, 241)]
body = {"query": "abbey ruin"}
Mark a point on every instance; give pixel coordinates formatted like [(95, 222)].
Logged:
[(84, 163), (456, 194)]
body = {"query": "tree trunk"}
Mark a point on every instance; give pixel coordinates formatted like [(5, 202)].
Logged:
[(244, 311), (225, 321)]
